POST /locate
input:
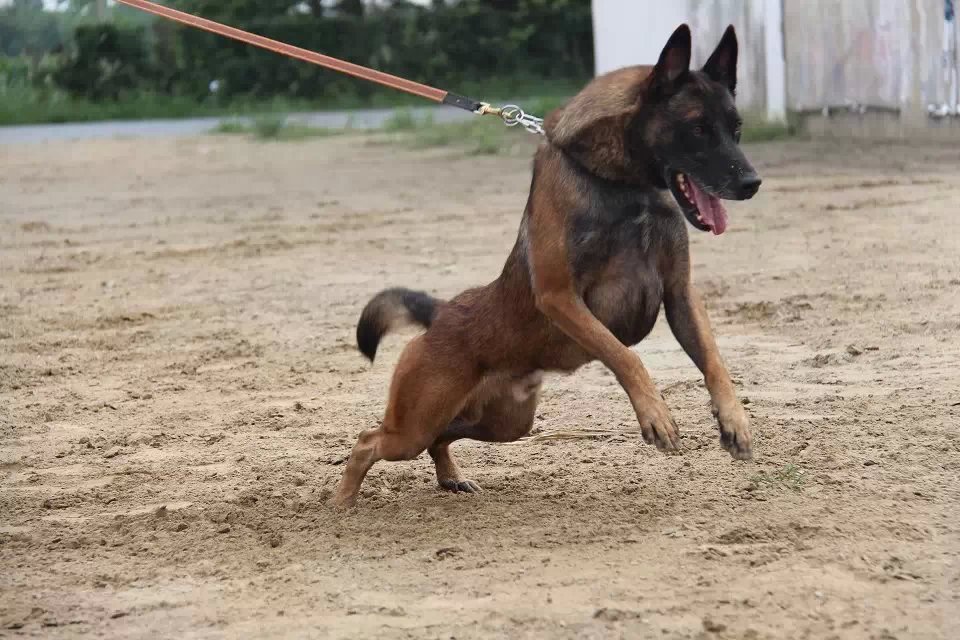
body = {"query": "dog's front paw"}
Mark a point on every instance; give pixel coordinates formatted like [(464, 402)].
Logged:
[(734, 430), (657, 425)]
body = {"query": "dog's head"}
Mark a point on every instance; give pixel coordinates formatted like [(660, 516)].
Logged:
[(675, 127)]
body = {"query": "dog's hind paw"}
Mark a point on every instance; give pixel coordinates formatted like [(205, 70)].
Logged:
[(457, 486), (342, 503)]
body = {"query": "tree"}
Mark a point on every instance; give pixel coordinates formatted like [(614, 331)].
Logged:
[(25, 28), (248, 9), (351, 7), (96, 8), (28, 5)]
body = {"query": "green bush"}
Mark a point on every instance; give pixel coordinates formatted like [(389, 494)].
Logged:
[(275, 127), (15, 73), (107, 62), (447, 45), (26, 29)]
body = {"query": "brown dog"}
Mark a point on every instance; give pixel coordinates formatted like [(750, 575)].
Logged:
[(602, 244)]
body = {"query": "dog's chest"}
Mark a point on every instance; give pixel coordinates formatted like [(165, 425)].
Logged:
[(618, 248)]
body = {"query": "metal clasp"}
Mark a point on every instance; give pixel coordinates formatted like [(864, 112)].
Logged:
[(512, 115)]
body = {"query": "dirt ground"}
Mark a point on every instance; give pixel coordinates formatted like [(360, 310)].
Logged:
[(179, 385)]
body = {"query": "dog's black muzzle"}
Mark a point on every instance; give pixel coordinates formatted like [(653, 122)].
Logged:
[(748, 187)]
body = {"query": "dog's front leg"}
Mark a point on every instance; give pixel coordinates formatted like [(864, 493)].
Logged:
[(556, 298), (570, 314), (691, 326)]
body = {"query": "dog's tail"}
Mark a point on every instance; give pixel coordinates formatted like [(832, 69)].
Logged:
[(392, 309)]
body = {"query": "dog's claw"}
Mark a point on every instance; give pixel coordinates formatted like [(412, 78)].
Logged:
[(734, 432), (657, 426), (732, 445), (666, 438), (457, 486)]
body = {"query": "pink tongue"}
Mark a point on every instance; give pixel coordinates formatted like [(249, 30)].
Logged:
[(711, 209)]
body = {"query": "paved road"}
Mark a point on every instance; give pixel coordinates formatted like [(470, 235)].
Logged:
[(365, 119)]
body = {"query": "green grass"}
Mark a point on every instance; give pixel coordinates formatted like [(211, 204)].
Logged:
[(482, 135), (28, 106), (765, 132), (405, 120), (275, 127), (233, 127), (479, 135), (756, 128), (20, 105), (789, 476)]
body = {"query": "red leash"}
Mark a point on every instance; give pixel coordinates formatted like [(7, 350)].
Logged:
[(511, 114)]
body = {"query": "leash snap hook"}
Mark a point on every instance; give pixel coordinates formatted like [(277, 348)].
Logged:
[(486, 109), (512, 115)]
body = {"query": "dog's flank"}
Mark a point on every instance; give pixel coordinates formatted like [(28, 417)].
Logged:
[(601, 248), (389, 310)]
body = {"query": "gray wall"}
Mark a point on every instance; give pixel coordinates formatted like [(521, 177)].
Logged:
[(631, 32), (884, 54), (709, 18)]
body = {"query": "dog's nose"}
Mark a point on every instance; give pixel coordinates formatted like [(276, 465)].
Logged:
[(749, 185)]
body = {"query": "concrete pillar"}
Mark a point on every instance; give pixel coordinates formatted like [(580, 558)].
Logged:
[(633, 31), (774, 61)]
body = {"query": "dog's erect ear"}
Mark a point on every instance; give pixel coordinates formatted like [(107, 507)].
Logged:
[(722, 64), (674, 59)]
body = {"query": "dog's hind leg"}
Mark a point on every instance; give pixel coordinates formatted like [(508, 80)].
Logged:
[(504, 418), (363, 456), (428, 388), (448, 473)]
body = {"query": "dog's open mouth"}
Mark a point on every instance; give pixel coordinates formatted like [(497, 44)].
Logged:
[(702, 209)]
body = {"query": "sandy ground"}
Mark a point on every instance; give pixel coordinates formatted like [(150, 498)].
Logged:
[(179, 385)]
